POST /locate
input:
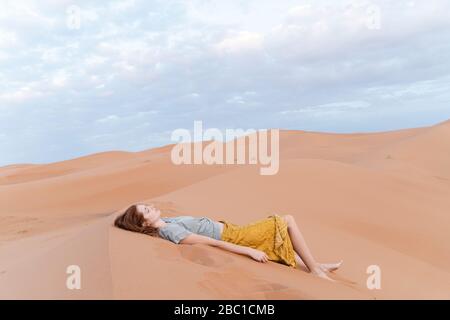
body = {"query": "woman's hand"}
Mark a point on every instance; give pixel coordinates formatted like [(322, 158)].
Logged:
[(257, 255)]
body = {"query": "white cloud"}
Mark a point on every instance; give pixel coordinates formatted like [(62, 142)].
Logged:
[(60, 78), (421, 88), (236, 100), (300, 11), (89, 15), (240, 42), (329, 108), (25, 14), (8, 39), (161, 64), (3, 56), (20, 95), (113, 118), (122, 5), (94, 60), (108, 119)]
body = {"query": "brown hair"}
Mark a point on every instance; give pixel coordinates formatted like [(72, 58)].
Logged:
[(133, 220)]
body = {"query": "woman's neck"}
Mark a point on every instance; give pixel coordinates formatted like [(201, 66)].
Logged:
[(159, 223)]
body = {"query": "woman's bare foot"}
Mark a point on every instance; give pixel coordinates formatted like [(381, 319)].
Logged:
[(329, 267), (321, 274)]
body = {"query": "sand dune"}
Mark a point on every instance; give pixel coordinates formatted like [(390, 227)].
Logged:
[(370, 199)]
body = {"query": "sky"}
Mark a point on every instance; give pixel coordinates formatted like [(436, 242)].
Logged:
[(80, 77)]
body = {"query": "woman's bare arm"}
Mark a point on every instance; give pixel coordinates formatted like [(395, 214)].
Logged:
[(253, 253)]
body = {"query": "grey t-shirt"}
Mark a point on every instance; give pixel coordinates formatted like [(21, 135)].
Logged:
[(178, 228)]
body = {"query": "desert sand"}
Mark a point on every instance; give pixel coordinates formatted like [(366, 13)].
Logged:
[(367, 198)]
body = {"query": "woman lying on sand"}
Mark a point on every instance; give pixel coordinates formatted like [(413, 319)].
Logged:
[(276, 238)]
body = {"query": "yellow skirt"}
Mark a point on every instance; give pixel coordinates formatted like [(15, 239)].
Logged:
[(269, 235)]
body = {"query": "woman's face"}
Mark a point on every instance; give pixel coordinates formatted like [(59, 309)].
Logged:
[(150, 213)]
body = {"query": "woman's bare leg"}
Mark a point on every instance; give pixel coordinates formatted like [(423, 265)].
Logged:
[(304, 255), (300, 263), (299, 244)]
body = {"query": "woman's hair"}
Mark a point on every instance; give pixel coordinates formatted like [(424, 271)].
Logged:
[(133, 220)]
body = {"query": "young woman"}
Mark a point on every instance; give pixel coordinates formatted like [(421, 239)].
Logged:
[(276, 238)]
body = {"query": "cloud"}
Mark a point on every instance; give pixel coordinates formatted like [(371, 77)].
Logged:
[(241, 42), (135, 70), (108, 119), (328, 108), (7, 39), (425, 88), (119, 6), (19, 95), (60, 78)]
